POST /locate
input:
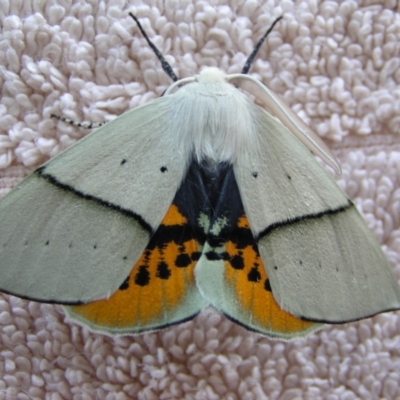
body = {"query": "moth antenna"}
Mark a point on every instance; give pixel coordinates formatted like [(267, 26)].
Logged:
[(250, 60), (165, 65), (85, 125)]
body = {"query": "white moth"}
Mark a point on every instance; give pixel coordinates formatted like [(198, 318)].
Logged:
[(274, 238)]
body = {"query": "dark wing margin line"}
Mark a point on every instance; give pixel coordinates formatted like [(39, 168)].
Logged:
[(39, 300), (53, 180), (301, 218), (340, 322)]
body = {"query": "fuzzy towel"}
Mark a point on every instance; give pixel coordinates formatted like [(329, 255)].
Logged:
[(336, 63)]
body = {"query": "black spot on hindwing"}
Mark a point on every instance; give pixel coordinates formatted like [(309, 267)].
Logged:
[(237, 261), (254, 275), (125, 284), (163, 271), (142, 277), (183, 260)]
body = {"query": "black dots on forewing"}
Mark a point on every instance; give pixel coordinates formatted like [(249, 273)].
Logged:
[(163, 169)]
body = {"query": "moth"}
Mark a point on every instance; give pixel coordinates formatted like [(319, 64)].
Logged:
[(199, 198)]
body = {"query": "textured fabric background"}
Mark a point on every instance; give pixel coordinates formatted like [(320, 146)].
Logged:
[(336, 63)]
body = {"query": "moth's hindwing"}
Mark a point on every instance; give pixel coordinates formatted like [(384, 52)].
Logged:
[(246, 275), (230, 273), (159, 291), (162, 290)]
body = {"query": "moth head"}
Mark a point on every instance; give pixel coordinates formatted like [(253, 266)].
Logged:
[(210, 75)]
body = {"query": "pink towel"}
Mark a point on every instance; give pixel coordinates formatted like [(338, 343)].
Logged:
[(336, 63)]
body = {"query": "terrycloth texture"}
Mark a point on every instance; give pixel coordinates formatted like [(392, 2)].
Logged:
[(336, 63)]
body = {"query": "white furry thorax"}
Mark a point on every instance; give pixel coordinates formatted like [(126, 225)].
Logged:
[(214, 119)]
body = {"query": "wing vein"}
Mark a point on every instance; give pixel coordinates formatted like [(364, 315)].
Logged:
[(301, 218), (129, 213)]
